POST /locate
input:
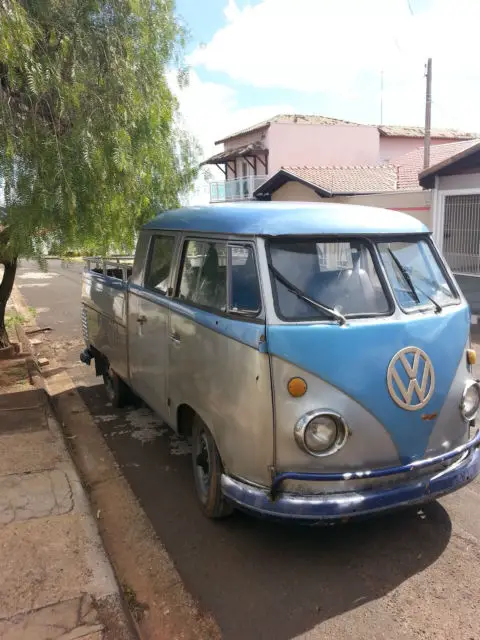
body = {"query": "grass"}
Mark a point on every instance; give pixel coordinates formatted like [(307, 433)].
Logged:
[(13, 318), (137, 608), (12, 375)]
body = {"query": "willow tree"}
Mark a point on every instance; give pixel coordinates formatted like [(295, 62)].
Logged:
[(90, 145)]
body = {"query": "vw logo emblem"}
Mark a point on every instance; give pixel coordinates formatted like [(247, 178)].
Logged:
[(410, 378)]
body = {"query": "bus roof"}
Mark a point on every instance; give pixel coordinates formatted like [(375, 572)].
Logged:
[(287, 218)]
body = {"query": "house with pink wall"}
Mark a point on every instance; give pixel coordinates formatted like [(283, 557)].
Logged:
[(249, 157)]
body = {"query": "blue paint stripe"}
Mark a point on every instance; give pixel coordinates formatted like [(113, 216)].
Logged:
[(287, 218), (354, 358), (377, 473), (248, 333), (335, 506), (109, 281)]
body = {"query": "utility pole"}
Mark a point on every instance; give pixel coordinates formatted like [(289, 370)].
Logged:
[(428, 116), (381, 96)]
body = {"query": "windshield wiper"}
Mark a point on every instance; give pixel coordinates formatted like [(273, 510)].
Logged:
[(333, 313), (432, 283), (408, 280)]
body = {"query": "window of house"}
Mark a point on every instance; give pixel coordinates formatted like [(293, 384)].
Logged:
[(158, 267)]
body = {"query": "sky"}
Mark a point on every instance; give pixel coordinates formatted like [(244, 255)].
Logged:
[(252, 59)]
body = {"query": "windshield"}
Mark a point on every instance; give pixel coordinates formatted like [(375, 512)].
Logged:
[(415, 275), (339, 275)]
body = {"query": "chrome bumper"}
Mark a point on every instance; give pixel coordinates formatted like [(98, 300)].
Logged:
[(338, 506)]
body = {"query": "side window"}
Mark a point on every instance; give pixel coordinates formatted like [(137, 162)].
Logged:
[(158, 268), (245, 288), (204, 274)]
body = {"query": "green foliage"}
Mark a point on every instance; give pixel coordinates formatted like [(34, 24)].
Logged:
[(89, 142), (12, 319)]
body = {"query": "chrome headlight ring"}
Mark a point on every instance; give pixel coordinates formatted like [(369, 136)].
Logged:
[(308, 419), (470, 393)]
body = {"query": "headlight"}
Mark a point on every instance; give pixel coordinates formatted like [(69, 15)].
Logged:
[(470, 400), (321, 433)]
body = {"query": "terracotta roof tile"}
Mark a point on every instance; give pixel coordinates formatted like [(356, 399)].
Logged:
[(353, 179), (400, 176), (427, 176), (411, 164), (419, 132), (288, 118), (399, 131), (252, 149)]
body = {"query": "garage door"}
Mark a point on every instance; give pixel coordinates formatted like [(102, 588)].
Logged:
[(461, 235)]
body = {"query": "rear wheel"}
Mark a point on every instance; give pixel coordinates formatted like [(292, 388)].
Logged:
[(117, 391), (207, 472)]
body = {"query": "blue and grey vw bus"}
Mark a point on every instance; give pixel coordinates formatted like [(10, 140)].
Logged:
[(317, 355)]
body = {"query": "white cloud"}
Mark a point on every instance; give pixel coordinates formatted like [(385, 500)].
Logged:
[(210, 111), (331, 53), (337, 48)]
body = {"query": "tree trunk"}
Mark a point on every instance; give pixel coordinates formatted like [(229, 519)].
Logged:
[(6, 287)]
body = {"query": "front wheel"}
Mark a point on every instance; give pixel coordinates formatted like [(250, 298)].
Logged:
[(207, 472), (117, 391)]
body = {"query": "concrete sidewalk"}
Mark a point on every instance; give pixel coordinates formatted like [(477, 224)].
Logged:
[(56, 582)]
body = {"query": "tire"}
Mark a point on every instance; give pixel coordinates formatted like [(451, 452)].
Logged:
[(118, 392), (207, 472)]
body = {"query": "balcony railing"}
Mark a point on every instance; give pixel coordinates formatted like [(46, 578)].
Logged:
[(237, 189)]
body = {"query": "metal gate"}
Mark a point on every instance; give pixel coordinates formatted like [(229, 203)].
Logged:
[(461, 233)]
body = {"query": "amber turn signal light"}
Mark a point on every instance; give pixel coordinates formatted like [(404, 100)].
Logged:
[(471, 356), (297, 387)]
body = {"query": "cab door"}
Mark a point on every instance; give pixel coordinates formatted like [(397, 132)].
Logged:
[(148, 324), (218, 365)]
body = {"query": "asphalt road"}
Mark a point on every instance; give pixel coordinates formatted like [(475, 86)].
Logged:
[(415, 574)]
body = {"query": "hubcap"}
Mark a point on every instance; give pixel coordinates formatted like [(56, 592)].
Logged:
[(202, 466)]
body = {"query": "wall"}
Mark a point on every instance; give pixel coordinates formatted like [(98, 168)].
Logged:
[(466, 180), (295, 192), (393, 148), (247, 138), (415, 203), (313, 145), (470, 287), (250, 170), (240, 141)]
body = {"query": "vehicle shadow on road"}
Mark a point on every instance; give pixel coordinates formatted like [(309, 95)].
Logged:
[(261, 579)]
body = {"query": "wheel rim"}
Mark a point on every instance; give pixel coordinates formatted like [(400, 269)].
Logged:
[(202, 466)]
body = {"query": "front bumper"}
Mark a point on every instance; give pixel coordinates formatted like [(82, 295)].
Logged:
[(340, 506)]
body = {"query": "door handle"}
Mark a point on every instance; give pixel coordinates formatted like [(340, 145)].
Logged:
[(141, 319), (175, 338)]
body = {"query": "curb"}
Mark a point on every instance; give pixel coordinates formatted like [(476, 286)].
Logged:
[(140, 563), (111, 609)]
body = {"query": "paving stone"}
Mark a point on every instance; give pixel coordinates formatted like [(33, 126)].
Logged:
[(49, 560), (25, 452), (23, 411), (61, 621), (34, 495)]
